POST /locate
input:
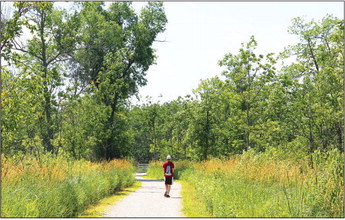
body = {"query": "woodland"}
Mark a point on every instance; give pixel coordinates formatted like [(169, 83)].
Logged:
[(269, 129), (66, 88)]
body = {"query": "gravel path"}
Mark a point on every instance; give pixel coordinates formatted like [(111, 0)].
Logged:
[(149, 201)]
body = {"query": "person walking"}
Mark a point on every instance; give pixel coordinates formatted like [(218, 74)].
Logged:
[(168, 169)]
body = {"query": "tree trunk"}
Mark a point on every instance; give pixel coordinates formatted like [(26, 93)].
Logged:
[(205, 151), (109, 152), (49, 135)]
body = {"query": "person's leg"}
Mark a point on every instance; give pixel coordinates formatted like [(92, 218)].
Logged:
[(168, 189), (168, 182), (166, 186)]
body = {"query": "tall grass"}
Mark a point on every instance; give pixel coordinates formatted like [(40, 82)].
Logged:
[(264, 185), (59, 187)]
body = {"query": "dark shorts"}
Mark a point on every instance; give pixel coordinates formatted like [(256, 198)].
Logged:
[(168, 180)]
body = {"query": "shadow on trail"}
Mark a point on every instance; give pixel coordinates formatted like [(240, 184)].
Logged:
[(175, 197), (140, 177)]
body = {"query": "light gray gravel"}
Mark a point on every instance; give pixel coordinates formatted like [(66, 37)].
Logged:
[(149, 201)]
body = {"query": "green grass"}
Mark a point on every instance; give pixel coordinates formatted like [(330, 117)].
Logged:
[(99, 209), (235, 197), (193, 205), (154, 172), (261, 185), (54, 187)]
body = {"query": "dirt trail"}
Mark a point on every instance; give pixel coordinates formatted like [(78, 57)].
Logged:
[(149, 201)]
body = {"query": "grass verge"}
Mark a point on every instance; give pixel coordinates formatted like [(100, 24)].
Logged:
[(105, 204), (192, 205)]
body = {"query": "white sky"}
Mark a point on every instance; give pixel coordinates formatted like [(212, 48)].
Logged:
[(199, 34)]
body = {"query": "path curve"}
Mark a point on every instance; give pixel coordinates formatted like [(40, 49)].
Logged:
[(149, 201)]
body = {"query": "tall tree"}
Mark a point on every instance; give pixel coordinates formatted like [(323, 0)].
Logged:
[(320, 68), (248, 76), (205, 119), (114, 53), (42, 56)]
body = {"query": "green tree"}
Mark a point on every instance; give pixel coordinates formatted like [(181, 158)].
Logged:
[(21, 111), (39, 58), (11, 27), (114, 53), (204, 123), (47, 48), (248, 77), (320, 69), (179, 115), (82, 126)]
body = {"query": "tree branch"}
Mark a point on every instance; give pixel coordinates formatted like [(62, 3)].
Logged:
[(54, 58), (18, 48), (312, 55)]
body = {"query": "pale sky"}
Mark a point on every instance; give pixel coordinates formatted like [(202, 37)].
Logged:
[(199, 34)]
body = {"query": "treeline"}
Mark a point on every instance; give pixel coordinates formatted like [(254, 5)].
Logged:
[(67, 84), (297, 108)]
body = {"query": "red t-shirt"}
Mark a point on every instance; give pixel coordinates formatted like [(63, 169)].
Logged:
[(168, 166)]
